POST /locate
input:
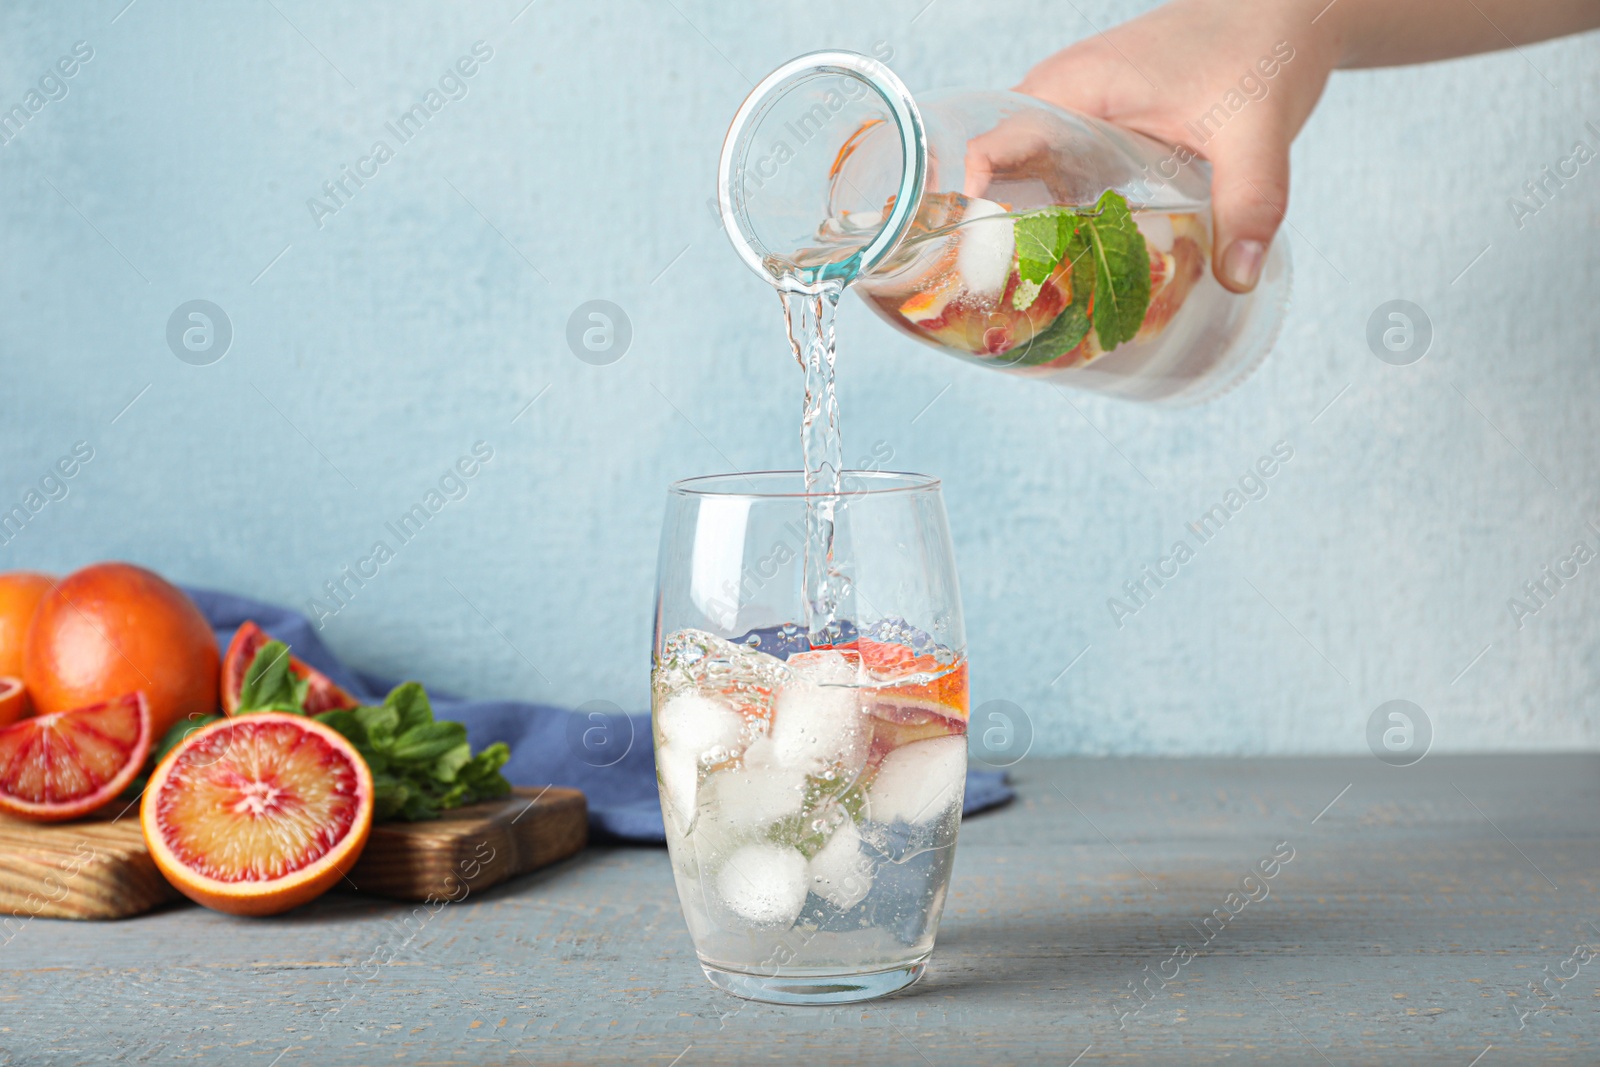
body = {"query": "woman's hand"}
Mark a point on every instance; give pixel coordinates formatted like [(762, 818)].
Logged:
[(1232, 80)]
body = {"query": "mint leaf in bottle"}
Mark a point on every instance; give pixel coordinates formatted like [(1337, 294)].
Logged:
[(1071, 326), (1041, 239), (1122, 270), (1110, 275)]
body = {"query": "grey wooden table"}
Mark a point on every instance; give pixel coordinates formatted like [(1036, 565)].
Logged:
[(1418, 906)]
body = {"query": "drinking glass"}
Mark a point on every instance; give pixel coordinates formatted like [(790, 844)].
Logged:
[(811, 789)]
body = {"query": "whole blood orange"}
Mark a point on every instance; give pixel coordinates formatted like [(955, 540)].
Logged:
[(322, 694), (259, 813), (68, 763), (20, 593), (113, 628)]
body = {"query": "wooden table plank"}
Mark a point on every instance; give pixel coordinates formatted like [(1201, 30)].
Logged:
[(1415, 910)]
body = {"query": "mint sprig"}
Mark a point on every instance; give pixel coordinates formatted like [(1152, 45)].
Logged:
[(268, 683), (420, 766), (1110, 274)]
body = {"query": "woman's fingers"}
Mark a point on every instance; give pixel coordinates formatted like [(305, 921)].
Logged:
[(1018, 148), (1249, 196)]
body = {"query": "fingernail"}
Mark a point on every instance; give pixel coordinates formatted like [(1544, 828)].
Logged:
[(1241, 263)]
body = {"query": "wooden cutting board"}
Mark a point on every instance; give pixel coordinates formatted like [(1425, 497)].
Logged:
[(94, 868), (470, 849), (99, 868)]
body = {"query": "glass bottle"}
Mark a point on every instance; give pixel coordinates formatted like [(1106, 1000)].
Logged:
[(996, 227)]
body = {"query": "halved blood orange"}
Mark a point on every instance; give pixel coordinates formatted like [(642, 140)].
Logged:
[(68, 763), (13, 700), (258, 814), (321, 695)]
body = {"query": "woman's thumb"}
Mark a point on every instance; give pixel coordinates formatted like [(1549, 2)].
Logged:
[(1249, 195)]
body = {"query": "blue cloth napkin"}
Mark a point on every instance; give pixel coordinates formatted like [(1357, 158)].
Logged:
[(604, 752)]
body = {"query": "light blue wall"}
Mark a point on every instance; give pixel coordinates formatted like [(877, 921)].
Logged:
[(425, 314)]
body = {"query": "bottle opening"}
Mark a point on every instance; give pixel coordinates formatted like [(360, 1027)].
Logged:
[(785, 208)]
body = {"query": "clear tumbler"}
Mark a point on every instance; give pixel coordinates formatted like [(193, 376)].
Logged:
[(811, 791)]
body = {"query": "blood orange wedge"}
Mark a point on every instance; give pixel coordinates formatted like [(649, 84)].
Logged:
[(900, 719), (13, 700), (886, 662), (68, 763), (321, 693), (258, 814)]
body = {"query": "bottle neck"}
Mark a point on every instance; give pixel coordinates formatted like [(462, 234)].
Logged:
[(779, 161)]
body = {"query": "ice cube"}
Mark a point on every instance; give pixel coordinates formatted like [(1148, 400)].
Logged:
[(680, 772), (840, 873), (818, 718), (1156, 228), (706, 728), (761, 790), (764, 884), (986, 242), (828, 666), (919, 782), (695, 661)]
